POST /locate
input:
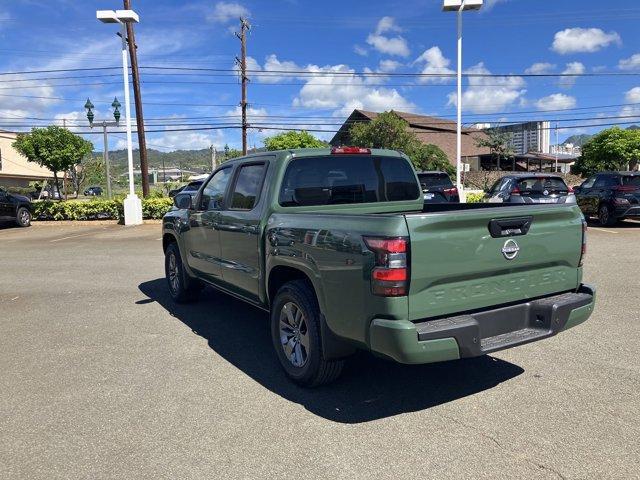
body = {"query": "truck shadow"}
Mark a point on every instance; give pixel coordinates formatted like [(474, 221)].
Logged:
[(370, 388)]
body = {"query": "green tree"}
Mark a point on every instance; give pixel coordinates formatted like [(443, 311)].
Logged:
[(230, 153), (611, 149), (390, 131), (498, 143), (54, 148), (291, 140)]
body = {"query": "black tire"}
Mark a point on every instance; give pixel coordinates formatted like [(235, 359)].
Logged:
[(314, 370), (23, 217), (182, 287), (606, 216)]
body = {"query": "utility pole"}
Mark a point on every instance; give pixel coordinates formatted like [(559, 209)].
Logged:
[(135, 74), (242, 61), (213, 157)]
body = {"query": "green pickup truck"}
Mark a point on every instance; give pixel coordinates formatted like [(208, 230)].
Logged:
[(339, 247)]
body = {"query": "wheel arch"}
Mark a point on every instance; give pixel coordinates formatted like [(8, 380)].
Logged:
[(333, 347)]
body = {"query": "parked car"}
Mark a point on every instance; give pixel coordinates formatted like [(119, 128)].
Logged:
[(530, 188), (437, 187), (339, 246), (611, 196), (48, 193), (94, 191), (17, 208), (191, 188)]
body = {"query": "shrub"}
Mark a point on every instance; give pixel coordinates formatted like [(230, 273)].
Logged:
[(475, 197), (152, 208)]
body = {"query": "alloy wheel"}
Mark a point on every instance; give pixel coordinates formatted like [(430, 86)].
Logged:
[(294, 334), (174, 281)]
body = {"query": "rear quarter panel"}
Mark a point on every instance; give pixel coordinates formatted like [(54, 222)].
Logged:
[(330, 250)]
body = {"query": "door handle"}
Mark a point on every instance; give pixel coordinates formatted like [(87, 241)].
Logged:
[(250, 229)]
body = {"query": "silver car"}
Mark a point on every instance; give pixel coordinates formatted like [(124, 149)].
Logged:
[(530, 188)]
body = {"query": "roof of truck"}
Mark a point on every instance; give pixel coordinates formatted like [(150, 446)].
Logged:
[(314, 152)]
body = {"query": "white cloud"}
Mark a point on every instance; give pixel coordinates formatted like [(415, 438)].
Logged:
[(575, 40), (631, 63), (489, 94), (360, 50), (388, 65), (573, 68), (489, 4), (557, 101), (434, 64), (540, 68), (631, 96), (385, 44), (223, 12), (341, 89), (272, 64)]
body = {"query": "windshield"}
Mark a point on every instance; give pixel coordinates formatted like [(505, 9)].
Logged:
[(540, 184), (340, 179), (431, 180), (192, 187)]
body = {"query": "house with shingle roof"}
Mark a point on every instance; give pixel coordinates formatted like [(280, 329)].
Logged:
[(429, 130)]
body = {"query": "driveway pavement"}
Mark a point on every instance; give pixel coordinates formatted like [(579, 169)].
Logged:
[(101, 376)]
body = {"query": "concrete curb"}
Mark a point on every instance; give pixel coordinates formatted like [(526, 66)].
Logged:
[(84, 223)]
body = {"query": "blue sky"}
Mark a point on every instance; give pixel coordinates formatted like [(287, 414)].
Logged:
[(339, 41)]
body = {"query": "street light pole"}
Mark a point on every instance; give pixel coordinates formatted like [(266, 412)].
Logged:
[(459, 112), (460, 6), (105, 154), (132, 204), (105, 151)]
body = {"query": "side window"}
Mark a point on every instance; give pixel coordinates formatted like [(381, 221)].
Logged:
[(600, 182), (247, 186), (213, 193), (588, 183)]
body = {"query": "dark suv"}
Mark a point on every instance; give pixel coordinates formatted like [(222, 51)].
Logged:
[(612, 196), (437, 187), (15, 207)]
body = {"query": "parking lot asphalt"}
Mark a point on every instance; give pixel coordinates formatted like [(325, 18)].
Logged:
[(101, 376)]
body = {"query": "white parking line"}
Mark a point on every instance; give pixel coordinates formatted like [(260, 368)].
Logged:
[(71, 236), (603, 230)]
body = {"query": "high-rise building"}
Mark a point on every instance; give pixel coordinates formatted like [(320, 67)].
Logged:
[(529, 137)]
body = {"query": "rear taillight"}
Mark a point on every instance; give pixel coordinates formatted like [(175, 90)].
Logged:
[(451, 191), (515, 191), (583, 252), (571, 192), (350, 151), (390, 276)]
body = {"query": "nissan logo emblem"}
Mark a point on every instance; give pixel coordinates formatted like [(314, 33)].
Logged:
[(510, 249)]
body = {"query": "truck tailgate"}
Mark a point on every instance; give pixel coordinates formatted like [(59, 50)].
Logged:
[(457, 263)]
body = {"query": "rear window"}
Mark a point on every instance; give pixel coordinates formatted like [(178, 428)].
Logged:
[(631, 180), (540, 184), (431, 180), (342, 179)]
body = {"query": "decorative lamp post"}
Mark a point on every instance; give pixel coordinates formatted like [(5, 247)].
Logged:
[(105, 151)]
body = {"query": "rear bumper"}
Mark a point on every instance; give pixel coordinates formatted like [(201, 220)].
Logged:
[(628, 212), (482, 332)]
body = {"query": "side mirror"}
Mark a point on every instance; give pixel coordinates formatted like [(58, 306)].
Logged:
[(183, 201)]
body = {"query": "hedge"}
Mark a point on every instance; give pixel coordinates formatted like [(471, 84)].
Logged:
[(152, 208), (475, 197)]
